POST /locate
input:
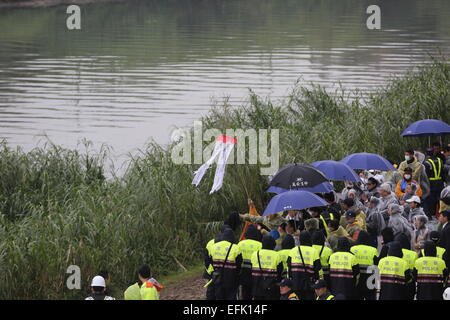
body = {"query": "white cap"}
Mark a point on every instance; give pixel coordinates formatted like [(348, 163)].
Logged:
[(446, 294), (98, 281), (413, 199)]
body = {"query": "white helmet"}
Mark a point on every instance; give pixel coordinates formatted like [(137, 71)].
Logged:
[(446, 294)]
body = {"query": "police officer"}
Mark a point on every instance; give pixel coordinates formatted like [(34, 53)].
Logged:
[(247, 248), (430, 272), (286, 292), (324, 253), (366, 255), (322, 293), (344, 270), (266, 271), (410, 257), (394, 274), (226, 259), (286, 246), (434, 236), (434, 167), (304, 267)]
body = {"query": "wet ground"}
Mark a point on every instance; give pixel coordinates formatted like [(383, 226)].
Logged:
[(188, 289)]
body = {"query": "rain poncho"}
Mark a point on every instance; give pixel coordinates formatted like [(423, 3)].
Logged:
[(374, 219), (333, 237), (398, 223), (384, 204)]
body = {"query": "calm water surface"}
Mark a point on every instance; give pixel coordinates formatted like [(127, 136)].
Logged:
[(138, 69)]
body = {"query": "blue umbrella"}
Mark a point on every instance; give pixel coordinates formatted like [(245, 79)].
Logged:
[(426, 128), (323, 187), (335, 170), (293, 200), (368, 161)]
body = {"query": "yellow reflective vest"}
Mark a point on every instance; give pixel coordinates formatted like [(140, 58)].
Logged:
[(430, 270), (269, 260), (247, 248), (439, 252), (392, 270), (310, 255), (365, 256)]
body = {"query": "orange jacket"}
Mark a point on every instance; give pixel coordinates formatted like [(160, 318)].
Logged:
[(400, 193)]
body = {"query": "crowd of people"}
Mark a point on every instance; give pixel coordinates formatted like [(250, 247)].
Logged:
[(386, 237)]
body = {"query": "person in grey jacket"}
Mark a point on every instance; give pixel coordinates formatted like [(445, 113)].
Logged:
[(397, 222), (414, 208), (387, 198), (374, 219)]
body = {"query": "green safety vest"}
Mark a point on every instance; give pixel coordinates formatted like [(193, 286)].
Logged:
[(310, 255), (209, 245), (410, 257), (269, 260), (430, 270), (219, 252), (437, 172), (439, 252), (247, 248), (284, 255), (341, 265), (365, 256), (324, 258), (392, 270)]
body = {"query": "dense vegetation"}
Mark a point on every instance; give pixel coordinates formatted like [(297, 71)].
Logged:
[(58, 209)]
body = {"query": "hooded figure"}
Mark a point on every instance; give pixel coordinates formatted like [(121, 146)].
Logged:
[(429, 249), (228, 235), (374, 221), (395, 249), (226, 259), (304, 267), (366, 255), (305, 238), (233, 221), (394, 279), (248, 246), (398, 223), (253, 233), (318, 240), (344, 270), (266, 271), (286, 246), (343, 245), (410, 257), (288, 242), (430, 272)]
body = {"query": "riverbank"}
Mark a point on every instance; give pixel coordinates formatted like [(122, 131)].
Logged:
[(57, 208)]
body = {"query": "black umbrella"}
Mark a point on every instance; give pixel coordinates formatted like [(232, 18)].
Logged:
[(296, 175)]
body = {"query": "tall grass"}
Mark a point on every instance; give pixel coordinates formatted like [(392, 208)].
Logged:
[(57, 208)]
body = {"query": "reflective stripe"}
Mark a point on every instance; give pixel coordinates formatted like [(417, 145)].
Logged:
[(437, 173)]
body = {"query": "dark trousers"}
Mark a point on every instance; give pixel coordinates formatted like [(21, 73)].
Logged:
[(210, 292), (223, 293), (430, 203), (246, 292), (363, 292)]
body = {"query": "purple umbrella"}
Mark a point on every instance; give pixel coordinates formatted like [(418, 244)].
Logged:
[(293, 200), (367, 161), (335, 170)]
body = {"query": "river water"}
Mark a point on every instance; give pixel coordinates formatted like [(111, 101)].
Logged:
[(138, 69)]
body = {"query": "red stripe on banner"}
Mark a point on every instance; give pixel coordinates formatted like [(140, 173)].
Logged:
[(226, 139)]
